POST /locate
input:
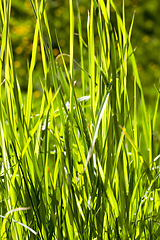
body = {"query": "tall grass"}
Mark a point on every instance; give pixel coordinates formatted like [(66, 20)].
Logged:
[(80, 168)]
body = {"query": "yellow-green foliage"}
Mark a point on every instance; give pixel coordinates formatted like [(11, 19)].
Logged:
[(77, 167)]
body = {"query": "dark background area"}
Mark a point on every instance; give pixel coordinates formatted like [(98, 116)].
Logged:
[(145, 36)]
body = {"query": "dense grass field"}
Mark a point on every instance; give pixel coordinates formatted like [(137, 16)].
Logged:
[(82, 160)]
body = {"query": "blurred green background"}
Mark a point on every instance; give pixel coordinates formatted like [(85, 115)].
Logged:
[(145, 37)]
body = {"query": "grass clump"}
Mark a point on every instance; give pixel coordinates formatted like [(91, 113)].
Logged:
[(82, 167)]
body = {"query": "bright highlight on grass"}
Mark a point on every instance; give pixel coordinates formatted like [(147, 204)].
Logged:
[(77, 167)]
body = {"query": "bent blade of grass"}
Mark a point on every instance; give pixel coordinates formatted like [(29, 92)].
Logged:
[(130, 30), (103, 8), (23, 225), (99, 117), (62, 55)]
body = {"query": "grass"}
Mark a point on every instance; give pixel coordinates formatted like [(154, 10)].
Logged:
[(80, 167)]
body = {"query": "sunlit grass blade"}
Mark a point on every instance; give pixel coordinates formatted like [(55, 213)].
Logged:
[(30, 81), (82, 160), (81, 53), (99, 117), (156, 111)]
